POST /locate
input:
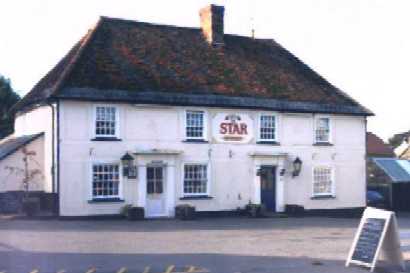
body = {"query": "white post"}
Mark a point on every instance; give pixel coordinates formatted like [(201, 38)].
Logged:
[(280, 189), (170, 190), (257, 185), (142, 186)]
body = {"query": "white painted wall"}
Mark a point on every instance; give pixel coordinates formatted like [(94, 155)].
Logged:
[(11, 167), (36, 121), (233, 179)]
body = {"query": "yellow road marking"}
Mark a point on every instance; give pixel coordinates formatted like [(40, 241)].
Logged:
[(122, 270), (146, 270), (91, 270), (170, 268)]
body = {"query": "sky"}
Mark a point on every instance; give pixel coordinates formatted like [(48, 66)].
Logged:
[(360, 46)]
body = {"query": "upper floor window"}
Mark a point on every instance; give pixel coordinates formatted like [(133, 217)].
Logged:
[(267, 127), (322, 181), (196, 179), (322, 130), (106, 181), (106, 121), (195, 124)]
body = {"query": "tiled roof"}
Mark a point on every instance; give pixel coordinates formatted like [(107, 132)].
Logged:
[(377, 147), (134, 57), (10, 145), (397, 170)]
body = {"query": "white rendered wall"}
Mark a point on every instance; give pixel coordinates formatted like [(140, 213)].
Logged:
[(233, 172), (33, 122), (11, 167)]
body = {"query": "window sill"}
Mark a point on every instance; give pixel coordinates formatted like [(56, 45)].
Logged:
[(197, 197), (195, 141), (106, 200), (322, 144), (323, 197), (106, 139), (268, 142)]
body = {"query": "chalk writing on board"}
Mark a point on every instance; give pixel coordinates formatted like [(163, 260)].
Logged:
[(369, 240)]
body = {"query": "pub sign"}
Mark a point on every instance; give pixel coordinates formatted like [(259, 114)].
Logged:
[(232, 127)]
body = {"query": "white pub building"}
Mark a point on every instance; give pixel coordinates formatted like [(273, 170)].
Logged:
[(156, 116)]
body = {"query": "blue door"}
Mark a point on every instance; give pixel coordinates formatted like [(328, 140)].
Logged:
[(268, 187)]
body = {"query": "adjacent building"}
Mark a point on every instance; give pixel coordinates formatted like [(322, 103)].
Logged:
[(155, 116)]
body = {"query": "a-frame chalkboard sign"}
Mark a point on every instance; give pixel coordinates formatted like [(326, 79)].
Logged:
[(377, 234)]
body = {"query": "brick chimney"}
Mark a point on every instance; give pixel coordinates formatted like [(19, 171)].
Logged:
[(212, 24)]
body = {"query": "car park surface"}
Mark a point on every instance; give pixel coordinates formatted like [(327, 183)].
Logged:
[(225, 245)]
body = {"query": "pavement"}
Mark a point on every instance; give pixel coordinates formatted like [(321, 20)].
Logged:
[(220, 245)]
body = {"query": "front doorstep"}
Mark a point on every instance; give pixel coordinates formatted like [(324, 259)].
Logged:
[(157, 216)]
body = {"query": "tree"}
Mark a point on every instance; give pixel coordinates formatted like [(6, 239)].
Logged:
[(7, 99), (26, 172)]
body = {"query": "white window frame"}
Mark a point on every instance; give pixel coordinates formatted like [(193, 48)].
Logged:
[(205, 125), (275, 115), (332, 177), (117, 121), (315, 129), (208, 174), (120, 180)]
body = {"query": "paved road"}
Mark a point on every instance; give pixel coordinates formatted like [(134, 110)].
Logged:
[(205, 245)]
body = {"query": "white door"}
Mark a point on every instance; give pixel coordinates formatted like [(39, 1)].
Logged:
[(156, 203)]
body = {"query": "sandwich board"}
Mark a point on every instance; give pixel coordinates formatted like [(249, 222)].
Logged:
[(377, 234)]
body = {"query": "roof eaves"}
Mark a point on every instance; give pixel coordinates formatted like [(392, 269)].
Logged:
[(211, 100)]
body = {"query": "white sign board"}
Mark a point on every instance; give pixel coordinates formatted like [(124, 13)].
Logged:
[(377, 232), (232, 128)]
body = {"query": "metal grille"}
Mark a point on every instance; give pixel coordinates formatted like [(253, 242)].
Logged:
[(322, 181), (267, 127), (322, 129), (105, 180), (195, 179), (105, 121), (195, 124)]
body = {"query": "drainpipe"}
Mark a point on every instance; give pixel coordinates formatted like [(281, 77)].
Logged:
[(55, 157)]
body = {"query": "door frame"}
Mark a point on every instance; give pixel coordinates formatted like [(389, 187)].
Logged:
[(168, 159), (275, 176), (165, 185), (277, 160)]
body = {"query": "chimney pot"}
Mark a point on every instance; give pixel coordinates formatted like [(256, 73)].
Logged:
[(212, 24)]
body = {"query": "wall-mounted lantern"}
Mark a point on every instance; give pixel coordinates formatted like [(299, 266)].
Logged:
[(297, 167), (128, 168)]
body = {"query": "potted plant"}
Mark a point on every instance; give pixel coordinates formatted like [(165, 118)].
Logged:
[(255, 210), (133, 213), (295, 210), (185, 212)]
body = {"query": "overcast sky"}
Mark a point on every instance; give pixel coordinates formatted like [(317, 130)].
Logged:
[(361, 46)]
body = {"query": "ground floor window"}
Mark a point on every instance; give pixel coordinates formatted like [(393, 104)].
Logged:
[(196, 179), (323, 181), (105, 180)]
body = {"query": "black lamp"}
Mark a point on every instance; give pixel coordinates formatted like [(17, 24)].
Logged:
[(297, 167), (127, 163)]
